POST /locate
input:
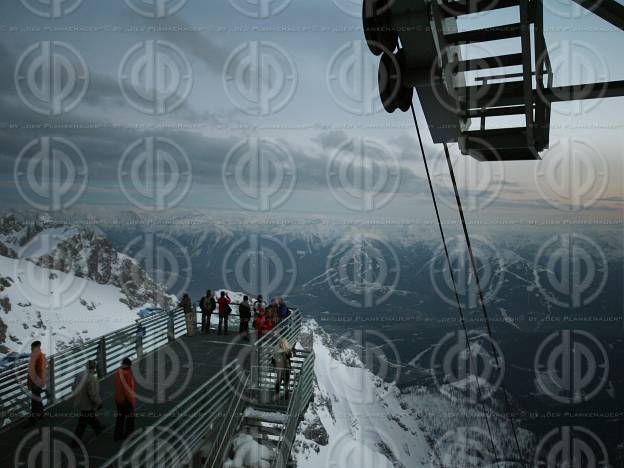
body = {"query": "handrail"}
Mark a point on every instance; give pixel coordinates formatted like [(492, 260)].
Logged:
[(64, 365), (173, 428), (301, 395)]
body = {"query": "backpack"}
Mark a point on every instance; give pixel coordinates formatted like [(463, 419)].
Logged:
[(202, 303), (213, 304)]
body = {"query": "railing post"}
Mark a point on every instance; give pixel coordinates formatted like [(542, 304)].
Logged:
[(170, 327), (101, 358), (50, 384)]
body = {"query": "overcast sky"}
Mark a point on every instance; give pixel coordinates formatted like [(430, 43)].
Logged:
[(309, 123)]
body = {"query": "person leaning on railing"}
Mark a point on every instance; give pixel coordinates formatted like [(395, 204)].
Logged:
[(244, 313)]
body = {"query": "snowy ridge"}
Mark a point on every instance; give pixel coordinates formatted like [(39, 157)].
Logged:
[(357, 419)]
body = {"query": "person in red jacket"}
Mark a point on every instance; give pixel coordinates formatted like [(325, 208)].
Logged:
[(125, 399), (36, 381), (224, 311), (263, 323)]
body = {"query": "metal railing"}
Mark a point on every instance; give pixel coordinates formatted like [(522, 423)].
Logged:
[(302, 393), (64, 366), (176, 437)]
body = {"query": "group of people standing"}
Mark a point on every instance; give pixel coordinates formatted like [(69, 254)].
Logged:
[(265, 317), (87, 397)]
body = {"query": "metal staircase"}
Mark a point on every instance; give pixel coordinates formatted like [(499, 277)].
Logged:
[(421, 48)]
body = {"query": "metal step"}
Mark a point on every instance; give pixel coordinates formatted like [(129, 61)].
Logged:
[(508, 60), (510, 93), (498, 138), (495, 111), (494, 33), (503, 155), (466, 7)]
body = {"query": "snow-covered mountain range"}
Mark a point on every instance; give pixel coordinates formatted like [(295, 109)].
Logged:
[(64, 284)]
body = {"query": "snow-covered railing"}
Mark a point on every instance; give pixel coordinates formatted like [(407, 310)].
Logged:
[(301, 396), (107, 350), (208, 415)]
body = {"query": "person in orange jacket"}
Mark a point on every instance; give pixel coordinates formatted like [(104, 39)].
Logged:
[(263, 323), (36, 381), (125, 399)]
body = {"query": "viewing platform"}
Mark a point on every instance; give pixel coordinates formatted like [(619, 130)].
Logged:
[(194, 395)]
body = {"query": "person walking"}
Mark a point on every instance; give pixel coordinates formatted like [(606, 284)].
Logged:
[(36, 382), (224, 312), (207, 305), (244, 312), (125, 400), (88, 400), (282, 355), (187, 307)]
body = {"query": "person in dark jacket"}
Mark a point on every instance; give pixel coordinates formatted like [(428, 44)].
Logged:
[(36, 382), (224, 312), (207, 305), (189, 314), (125, 399), (88, 400), (282, 310), (244, 311)]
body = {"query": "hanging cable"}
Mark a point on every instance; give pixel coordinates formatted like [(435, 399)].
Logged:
[(450, 267), (482, 299)]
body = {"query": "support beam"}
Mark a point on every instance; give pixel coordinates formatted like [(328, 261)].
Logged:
[(606, 89), (608, 10)]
